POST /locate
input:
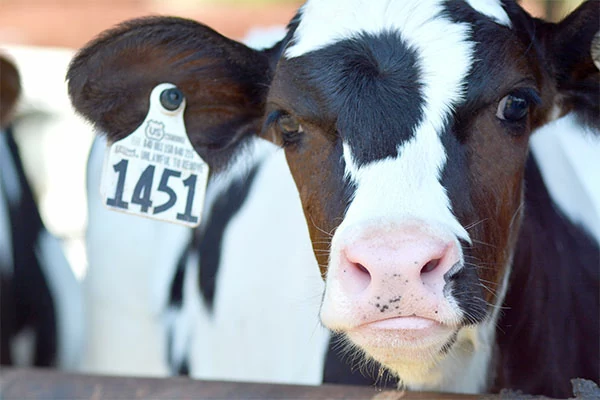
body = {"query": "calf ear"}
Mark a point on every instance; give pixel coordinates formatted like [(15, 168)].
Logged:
[(10, 89), (575, 58), (224, 82)]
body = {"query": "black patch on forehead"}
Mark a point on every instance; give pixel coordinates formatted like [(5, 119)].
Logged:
[(369, 86)]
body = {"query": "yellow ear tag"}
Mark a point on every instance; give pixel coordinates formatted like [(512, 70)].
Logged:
[(155, 172)]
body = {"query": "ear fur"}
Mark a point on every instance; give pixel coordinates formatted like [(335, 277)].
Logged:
[(225, 83), (576, 73), (10, 89)]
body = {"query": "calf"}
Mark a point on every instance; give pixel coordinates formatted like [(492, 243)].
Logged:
[(406, 127), (39, 302)]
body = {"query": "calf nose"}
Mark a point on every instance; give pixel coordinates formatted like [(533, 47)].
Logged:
[(403, 261)]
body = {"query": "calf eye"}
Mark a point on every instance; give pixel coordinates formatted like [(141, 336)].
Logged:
[(513, 107), (290, 128), (288, 124)]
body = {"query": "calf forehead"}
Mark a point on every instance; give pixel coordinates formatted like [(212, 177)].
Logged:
[(389, 75), (323, 22), (386, 70)]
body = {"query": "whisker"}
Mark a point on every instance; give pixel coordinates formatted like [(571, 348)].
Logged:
[(474, 224), (483, 243), (329, 234), (514, 217)]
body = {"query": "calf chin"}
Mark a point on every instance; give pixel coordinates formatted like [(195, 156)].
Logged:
[(461, 365)]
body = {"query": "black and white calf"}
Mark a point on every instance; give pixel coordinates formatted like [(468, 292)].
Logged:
[(406, 127), (40, 310)]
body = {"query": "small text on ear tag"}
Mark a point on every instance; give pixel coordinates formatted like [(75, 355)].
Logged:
[(155, 172)]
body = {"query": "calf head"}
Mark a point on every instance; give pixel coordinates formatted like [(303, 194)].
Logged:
[(405, 125)]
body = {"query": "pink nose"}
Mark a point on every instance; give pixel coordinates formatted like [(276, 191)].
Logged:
[(389, 264)]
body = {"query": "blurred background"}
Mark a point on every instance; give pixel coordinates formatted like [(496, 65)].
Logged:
[(41, 36), (71, 23)]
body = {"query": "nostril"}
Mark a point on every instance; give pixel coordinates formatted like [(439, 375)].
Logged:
[(430, 266), (355, 277), (362, 268)]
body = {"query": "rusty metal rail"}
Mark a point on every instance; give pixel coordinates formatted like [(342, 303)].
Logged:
[(25, 384)]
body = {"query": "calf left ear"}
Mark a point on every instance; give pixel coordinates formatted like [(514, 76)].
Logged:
[(10, 89), (224, 82), (573, 52)]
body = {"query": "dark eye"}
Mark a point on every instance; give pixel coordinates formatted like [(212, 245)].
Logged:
[(513, 108), (290, 128)]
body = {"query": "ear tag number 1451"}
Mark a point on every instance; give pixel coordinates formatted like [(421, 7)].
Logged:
[(155, 172)]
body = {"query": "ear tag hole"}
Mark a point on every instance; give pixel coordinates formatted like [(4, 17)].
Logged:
[(155, 172), (171, 98)]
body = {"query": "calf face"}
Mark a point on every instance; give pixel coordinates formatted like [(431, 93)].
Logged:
[(405, 125)]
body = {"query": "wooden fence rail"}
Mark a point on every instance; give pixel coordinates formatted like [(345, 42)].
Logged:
[(24, 384)]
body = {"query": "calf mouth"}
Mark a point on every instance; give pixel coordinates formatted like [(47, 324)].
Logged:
[(406, 340)]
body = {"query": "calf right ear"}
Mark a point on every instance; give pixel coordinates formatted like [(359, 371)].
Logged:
[(224, 82), (10, 89)]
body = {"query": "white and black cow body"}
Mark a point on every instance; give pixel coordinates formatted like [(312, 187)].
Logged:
[(176, 308), (39, 306), (405, 126)]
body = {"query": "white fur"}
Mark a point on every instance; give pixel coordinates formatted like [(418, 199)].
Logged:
[(467, 367), (569, 160), (493, 9), (265, 324), (68, 300), (131, 265)]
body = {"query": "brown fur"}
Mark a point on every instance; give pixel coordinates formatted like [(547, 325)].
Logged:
[(10, 89)]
